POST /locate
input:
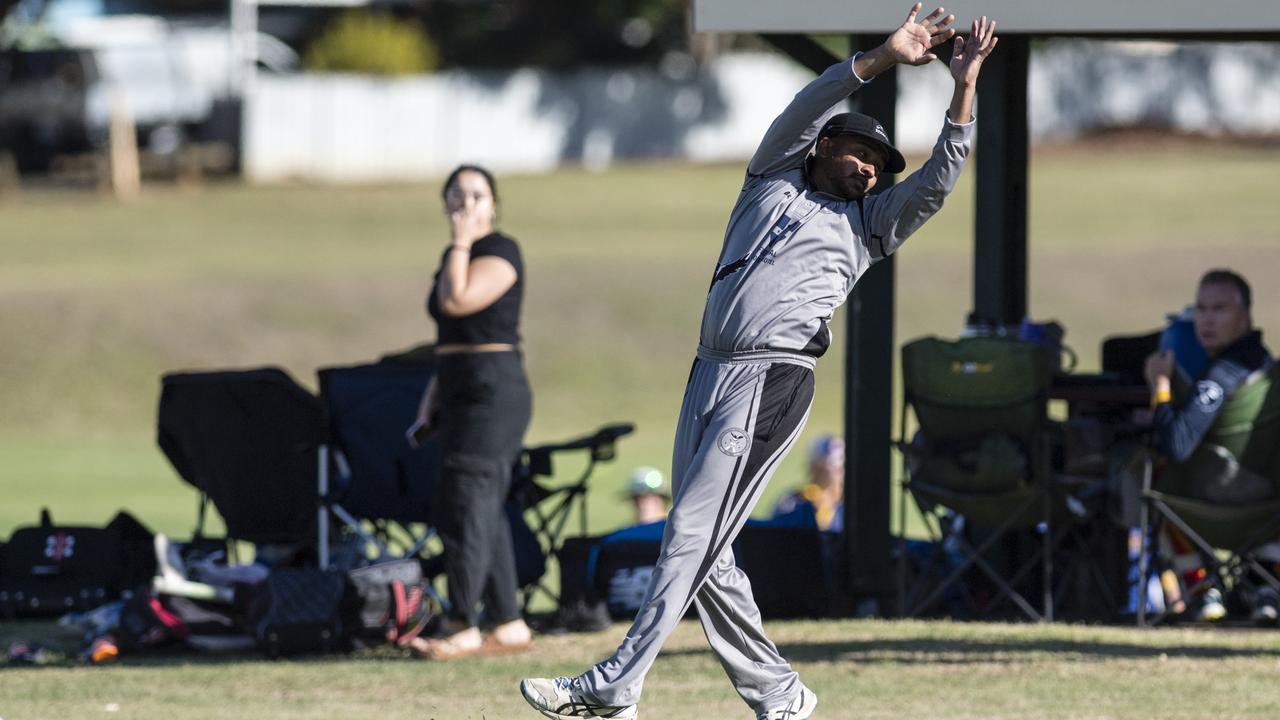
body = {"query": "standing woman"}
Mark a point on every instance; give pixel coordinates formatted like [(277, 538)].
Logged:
[(480, 400)]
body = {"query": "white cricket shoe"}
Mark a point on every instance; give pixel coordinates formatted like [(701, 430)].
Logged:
[(800, 708), (562, 699)]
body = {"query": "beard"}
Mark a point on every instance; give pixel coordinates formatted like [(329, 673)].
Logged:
[(835, 180)]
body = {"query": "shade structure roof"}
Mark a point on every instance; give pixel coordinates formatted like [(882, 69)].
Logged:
[(1077, 17)]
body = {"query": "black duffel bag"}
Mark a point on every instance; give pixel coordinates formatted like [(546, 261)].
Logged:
[(54, 569), (300, 610)]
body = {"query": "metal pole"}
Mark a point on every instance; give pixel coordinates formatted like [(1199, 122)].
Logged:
[(868, 412), (322, 511), (1000, 156)]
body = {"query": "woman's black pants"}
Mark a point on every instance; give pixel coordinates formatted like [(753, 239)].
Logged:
[(485, 407)]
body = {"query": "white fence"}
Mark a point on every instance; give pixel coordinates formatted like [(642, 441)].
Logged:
[(357, 129)]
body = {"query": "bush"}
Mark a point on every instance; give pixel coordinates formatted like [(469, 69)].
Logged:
[(375, 43)]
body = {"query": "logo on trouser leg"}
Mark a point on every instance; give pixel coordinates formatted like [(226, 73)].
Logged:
[(733, 442)]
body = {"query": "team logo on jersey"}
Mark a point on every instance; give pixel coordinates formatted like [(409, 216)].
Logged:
[(1209, 395), (733, 442)]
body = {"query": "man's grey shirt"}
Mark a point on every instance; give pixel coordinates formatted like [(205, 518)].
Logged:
[(792, 254)]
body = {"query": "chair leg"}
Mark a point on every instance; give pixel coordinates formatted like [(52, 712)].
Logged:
[(974, 558), (1144, 547), (902, 552), (937, 559), (1005, 587), (1046, 574)]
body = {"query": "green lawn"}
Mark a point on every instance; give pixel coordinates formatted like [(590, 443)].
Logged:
[(862, 670)]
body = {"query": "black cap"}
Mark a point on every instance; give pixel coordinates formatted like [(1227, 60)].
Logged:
[(866, 127)]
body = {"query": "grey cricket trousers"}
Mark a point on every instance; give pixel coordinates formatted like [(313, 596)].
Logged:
[(737, 422)]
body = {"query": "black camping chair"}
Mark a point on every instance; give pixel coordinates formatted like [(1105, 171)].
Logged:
[(247, 441), (981, 454), (549, 507), (376, 484), (1126, 355)]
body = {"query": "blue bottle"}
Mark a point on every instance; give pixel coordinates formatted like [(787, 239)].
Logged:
[(1180, 337)]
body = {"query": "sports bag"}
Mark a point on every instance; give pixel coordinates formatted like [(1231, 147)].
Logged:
[(299, 610), (54, 569)]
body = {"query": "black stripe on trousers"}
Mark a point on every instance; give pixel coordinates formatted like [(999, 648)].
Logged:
[(784, 401)]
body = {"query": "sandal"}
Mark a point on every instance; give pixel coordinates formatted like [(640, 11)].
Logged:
[(507, 638), (458, 645)]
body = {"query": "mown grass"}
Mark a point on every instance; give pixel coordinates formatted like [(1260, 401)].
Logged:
[(860, 669)]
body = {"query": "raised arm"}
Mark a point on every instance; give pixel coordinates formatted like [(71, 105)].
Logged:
[(895, 214), (468, 285), (789, 137), (966, 63)]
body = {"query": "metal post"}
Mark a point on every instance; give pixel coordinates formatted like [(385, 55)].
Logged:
[(322, 510), (1000, 156), (868, 411)]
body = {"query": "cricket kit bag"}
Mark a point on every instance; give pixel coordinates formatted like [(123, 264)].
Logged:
[(55, 569)]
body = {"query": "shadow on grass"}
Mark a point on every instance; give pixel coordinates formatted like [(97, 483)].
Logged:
[(63, 649), (177, 657), (933, 651)]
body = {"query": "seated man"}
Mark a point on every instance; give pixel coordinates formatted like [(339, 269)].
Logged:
[(1224, 328), (823, 495)]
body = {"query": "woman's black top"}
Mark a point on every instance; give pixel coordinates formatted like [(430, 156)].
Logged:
[(497, 323)]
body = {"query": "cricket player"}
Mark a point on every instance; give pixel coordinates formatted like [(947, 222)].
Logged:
[(802, 232)]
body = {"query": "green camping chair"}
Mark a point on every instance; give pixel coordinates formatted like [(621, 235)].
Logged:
[(981, 453), (1246, 435)]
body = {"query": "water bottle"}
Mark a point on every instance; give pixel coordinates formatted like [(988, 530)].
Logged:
[(1179, 336)]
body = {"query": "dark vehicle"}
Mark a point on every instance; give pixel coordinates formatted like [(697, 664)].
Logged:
[(44, 105)]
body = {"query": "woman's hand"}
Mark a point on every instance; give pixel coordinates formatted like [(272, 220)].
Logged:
[(468, 224), (424, 424)]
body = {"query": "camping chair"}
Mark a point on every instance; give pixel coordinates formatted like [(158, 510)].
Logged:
[(1126, 355), (1246, 434), (548, 508), (981, 454), (266, 451), (247, 441), (376, 485)]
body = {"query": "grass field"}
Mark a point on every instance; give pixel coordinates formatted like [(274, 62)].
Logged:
[(863, 670), (97, 299)]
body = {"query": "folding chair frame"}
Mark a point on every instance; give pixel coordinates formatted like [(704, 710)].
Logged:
[(973, 555), (1239, 559), (549, 524)]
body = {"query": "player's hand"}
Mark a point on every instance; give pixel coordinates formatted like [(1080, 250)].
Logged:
[(1159, 366), (967, 56), (913, 43)]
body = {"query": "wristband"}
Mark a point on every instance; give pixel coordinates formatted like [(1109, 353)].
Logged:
[(1162, 394), (456, 246)]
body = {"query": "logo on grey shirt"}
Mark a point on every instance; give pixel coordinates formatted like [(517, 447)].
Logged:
[(1209, 395), (733, 442)]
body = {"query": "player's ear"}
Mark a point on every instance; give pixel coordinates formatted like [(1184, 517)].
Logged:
[(823, 148)]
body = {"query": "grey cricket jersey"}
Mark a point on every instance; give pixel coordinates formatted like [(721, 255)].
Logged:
[(792, 254)]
